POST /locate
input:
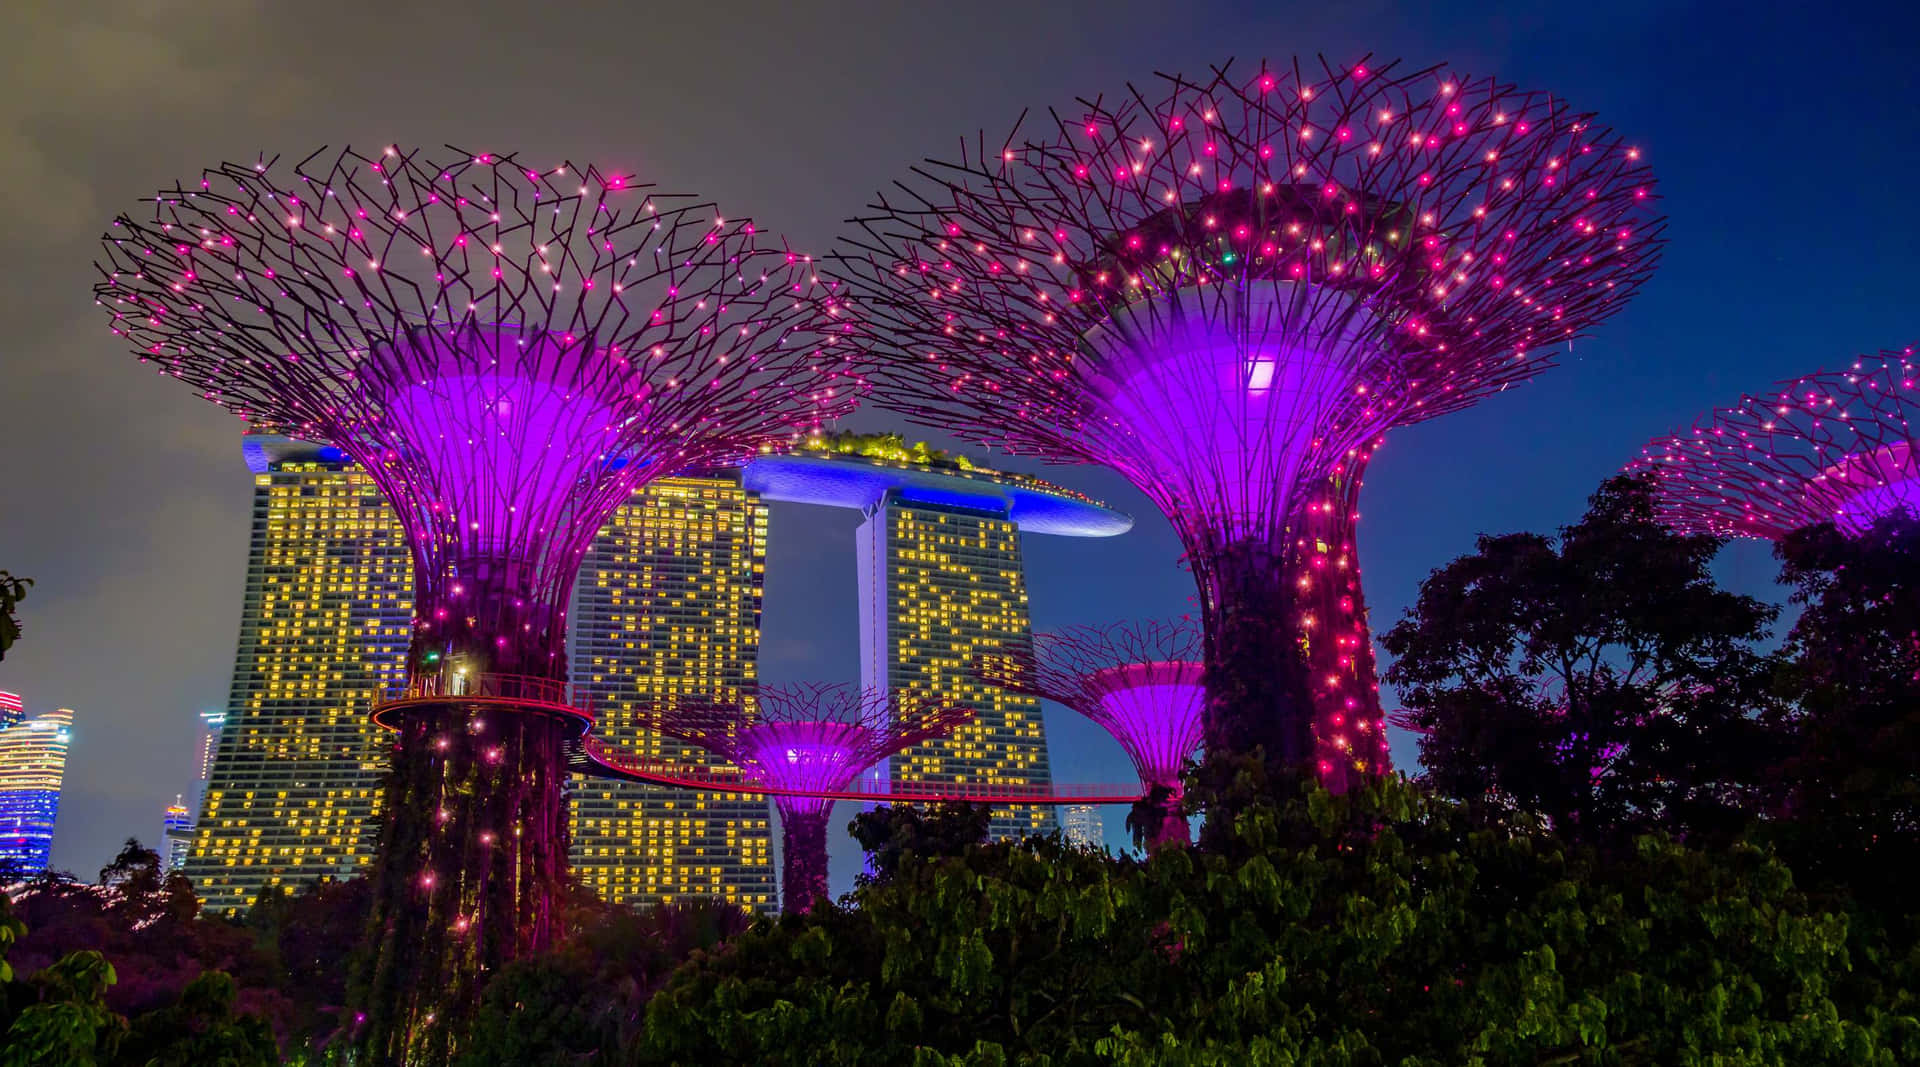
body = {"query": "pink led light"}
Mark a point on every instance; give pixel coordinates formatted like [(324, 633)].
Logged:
[(1834, 446)]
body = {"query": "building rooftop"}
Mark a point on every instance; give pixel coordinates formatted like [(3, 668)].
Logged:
[(851, 471)]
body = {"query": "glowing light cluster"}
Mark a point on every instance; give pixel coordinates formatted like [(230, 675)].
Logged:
[(814, 738), (1834, 446), (1229, 288), (1139, 681)]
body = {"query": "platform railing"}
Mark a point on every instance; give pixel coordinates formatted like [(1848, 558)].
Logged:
[(520, 688)]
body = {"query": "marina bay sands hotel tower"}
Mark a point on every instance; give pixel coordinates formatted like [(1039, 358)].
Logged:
[(941, 580)]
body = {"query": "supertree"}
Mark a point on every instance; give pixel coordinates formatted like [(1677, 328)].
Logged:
[(509, 351), (1140, 682), (1228, 289), (803, 743), (1834, 446)]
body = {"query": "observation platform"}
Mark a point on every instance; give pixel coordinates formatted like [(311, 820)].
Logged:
[(594, 759), (862, 481), (510, 693)]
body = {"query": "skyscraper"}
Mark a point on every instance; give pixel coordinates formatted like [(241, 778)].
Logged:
[(176, 827), (324, 626), (942, 581), (1083, 826), (33, 761), (667, 605), (211, 722)]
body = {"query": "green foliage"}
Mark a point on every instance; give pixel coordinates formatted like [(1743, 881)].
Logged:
[(1602, 680), (1379, 927), (69, 1024), (1853, 666), (11, 929), (887, 446), (891, 832), (201, 1030), (583, 1003), (12, 592)]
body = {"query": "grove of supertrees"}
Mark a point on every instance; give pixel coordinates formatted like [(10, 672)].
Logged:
[(1228, 289), (1141, 682), (1834, 446), (509, 351), (803, 743)]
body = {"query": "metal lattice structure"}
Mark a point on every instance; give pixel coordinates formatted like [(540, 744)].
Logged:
[(509, 351), (1228, 288), (1141, 682), (810, 741), (1835, 446)]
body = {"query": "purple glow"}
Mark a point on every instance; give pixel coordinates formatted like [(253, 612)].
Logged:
[(1875, 485), (1836, 446), (1141, 682), (1153, 710), (816, 737), (1224, 413), (819, 756)]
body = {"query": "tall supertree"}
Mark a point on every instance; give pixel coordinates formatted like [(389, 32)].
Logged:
[(510, 351), (1228, 289), (1140, 682), (1834, 446), (801, 744)]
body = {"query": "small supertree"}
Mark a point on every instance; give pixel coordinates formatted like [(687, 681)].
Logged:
[(1835, 446), (1139, 681), (1227, 289), (801, 744), (510, 352)]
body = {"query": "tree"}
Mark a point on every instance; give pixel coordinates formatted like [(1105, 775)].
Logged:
[(1601, 679), (200, 1030), (1378, 926), (583, 1003), (1853, 666), (12, 592), (891, 831), (69, 1025)]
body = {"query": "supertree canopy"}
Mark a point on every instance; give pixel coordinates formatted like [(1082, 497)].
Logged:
[(802, 744), (1228, 289), (509, 351), (1836, 446), (1139, 681)]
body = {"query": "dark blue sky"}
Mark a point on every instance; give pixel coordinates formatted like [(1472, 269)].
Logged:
[(1784, 138)]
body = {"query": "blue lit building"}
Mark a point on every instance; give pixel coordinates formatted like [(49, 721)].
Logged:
[(33, 760)]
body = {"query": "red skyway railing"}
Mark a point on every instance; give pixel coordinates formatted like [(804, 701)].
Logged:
[(596, 759)]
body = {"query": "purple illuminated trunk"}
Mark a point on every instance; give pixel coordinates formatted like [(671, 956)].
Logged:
[(803, 830), (1258, 694), (1349, 728), (473, 845), (1170, 827)]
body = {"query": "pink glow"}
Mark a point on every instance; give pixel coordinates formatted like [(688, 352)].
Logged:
[(1836, 446)]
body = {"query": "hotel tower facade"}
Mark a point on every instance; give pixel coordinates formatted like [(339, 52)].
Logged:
[(324, 625), (668, 605)]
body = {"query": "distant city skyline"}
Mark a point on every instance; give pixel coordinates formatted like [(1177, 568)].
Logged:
[(1083, 826)]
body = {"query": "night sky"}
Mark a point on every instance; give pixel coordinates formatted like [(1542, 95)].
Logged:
[(1784, 139)]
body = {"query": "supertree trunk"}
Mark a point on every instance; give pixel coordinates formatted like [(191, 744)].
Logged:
[(473, 853), (1159, 813), (803, 869), (1258, 692), (473, 848), (1348, 724)]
